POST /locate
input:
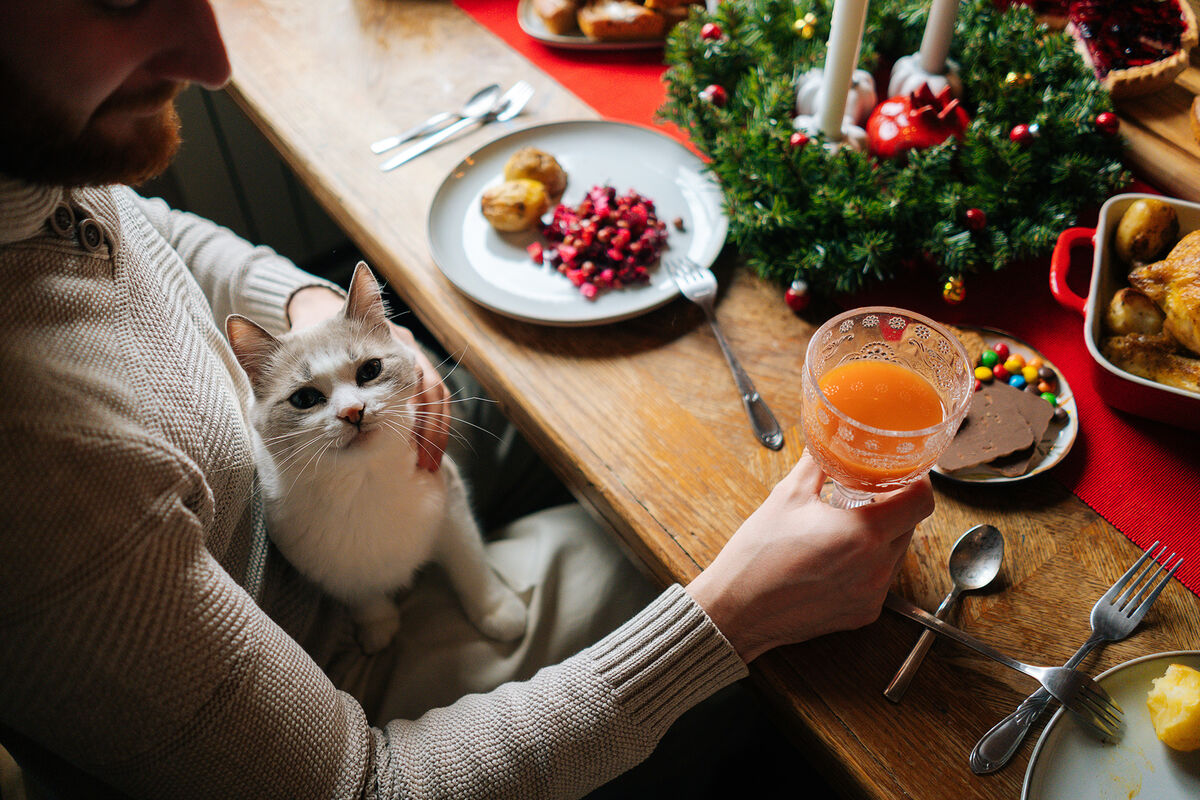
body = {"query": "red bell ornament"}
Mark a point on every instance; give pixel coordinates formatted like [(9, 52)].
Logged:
[(1024, 134), (796, 296), (914, 121), (1107, 123), (711, 31), (715, 94)]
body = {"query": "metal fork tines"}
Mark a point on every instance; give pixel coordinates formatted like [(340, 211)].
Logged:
[(699, 285), (1114, 616), (1079, 693)]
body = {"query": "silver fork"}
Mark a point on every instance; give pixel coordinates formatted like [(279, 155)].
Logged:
[(1115, 615), (699, 285), (506, 107), (1077, 691)]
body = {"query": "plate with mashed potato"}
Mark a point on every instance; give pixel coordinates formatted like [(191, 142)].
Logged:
[(1145, 763)]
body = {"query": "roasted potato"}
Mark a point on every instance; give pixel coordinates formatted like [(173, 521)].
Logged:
[(1147, 228), (1130, 311), (515, 205), (1174, 705), (537, 165)]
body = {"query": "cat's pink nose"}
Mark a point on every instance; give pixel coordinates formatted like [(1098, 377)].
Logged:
[(352, 414)]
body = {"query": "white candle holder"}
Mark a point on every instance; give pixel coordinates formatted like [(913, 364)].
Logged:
[(860, 100), (853, 136), (908, 75)]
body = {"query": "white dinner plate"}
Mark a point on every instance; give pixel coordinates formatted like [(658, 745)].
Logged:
[(533, 26), (1067, 763), (1059, 437), (494, 268)]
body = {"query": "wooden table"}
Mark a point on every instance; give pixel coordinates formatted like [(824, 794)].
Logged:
[(641, 421)]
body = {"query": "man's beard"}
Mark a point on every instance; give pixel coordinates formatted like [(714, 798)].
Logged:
[(35, 144)]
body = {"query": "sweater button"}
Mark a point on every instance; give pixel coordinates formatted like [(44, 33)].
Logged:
[(62, 221), (91, 235)]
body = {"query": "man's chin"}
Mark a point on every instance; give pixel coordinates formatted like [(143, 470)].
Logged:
[(130, 150)]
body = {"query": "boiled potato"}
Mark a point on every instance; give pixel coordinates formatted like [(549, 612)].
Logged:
[(537, 165), (1147, 228), (1174, 705), (1132, 312), (515, 205)]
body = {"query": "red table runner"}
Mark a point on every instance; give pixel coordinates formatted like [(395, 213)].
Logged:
[(1141, 476)]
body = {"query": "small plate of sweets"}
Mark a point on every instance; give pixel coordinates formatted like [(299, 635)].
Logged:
[(1022, 420)]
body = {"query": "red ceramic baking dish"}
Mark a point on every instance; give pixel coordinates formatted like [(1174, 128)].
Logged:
[(1117, 387)]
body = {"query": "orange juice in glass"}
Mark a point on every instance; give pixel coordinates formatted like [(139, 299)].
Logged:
[(884, 392)]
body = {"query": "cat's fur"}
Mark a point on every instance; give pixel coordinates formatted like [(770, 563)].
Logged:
[(346, 503)]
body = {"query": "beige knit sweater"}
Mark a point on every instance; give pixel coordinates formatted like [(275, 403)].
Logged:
[(146, 631)]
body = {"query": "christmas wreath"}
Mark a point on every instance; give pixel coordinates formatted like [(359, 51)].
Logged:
[(1040, 145)]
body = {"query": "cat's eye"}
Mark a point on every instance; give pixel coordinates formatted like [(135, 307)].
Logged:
[(368, 370), (306, 397)]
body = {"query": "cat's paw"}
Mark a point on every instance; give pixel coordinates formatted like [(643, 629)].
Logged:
[(505, 618), (376, 629)]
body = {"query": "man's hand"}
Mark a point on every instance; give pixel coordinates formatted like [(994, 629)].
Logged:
[(799, 568), (313, 304)]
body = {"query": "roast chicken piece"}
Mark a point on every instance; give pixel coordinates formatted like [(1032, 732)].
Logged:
[(1174, 284), (1154, 357), (1132, 312)]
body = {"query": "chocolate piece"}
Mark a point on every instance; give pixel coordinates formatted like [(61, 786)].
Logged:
[(1003, 426), (994, 427)]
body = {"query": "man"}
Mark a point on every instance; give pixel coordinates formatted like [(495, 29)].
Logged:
[(153, 644)]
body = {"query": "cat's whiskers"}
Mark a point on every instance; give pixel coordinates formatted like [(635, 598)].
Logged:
[(317, 457), (285, 460)]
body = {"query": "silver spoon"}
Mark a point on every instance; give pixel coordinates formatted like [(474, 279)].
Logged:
[(974, 563), (484, 98), (504, 109)]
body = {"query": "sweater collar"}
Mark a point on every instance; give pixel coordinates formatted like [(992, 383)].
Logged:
[(26, 207)]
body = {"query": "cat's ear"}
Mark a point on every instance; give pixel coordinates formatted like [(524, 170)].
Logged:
[(251, 343), (364, 302)]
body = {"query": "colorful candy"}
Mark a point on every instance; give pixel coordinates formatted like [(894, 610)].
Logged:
[(1027, 374)]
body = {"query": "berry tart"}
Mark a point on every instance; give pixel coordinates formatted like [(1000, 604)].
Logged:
[(1134, 46)]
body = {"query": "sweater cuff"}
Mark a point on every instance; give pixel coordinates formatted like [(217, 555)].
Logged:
[(270, 285), (665, 660)]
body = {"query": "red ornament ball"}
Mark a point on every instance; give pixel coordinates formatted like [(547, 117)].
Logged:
[(1023, 134), (796, 296), (914, 121), (976, 219), (1107, 123), (711, 32), (798, 140), (715, 94)]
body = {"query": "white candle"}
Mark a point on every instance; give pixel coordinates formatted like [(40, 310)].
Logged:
[(939, 30), (845, 36)]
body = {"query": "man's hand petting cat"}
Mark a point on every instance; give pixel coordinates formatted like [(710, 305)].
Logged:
[(798, 568), (313, 304)]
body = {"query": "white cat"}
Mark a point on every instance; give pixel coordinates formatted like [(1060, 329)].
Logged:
[(346, 503)]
